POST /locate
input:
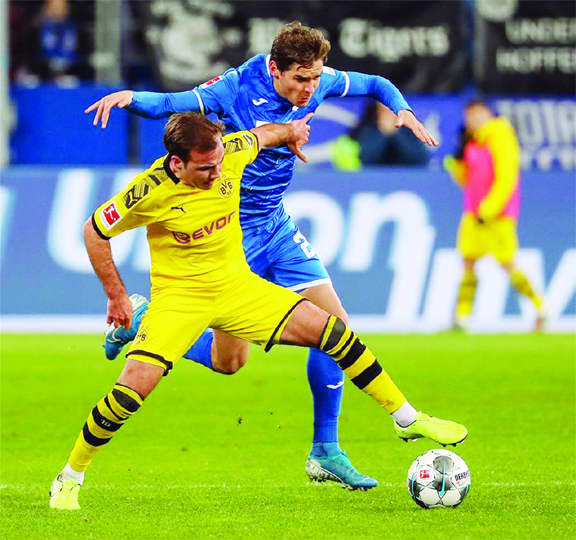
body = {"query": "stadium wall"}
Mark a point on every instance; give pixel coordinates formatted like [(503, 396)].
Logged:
[(386, 236)]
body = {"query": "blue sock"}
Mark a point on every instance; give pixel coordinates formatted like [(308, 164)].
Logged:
[(201, 351), (324, 373)]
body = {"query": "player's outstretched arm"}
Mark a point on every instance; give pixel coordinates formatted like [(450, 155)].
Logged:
[(294, 135), (374, 86), (149, 104), (119, 309), (406, 118), (104, 106)]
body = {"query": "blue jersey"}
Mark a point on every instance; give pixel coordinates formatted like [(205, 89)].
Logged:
[(245, 98)]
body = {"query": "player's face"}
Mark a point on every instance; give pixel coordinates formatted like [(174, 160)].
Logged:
[(476, 116), (203, 169), (298, 83)]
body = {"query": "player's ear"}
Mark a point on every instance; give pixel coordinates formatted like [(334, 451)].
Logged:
[(176, 164), (274, 69)]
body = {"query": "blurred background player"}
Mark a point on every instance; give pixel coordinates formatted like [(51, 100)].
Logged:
[(377, 141), (289, 83), (487, 168)]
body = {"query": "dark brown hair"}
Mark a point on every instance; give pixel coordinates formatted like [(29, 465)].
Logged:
[(299, 44), (189, 131)]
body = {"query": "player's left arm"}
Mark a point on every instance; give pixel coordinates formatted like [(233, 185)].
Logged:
[(505, 151), (294, 135), (354, 84)]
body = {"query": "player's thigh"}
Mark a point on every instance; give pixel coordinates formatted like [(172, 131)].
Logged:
[(504, 240), (305, 326), (229, 353), (325, 297), (471, 239), (255, 310), (175, 319)]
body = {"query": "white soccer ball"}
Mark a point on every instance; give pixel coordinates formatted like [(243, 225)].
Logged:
[(438, 478)]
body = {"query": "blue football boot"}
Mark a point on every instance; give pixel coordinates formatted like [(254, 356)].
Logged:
[(328, 462), (116, 338)]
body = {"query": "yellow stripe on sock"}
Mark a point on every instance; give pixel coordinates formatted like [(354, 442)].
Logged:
[(107, 413), (385, 392), (327, 331), (366, 359), (117, 408), (98, 431)]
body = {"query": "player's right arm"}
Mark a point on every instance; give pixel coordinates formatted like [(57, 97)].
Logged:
[(214, 96), (119, 309), (133, 207)]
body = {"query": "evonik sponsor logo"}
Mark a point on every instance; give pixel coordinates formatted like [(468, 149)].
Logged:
[(217, 224)]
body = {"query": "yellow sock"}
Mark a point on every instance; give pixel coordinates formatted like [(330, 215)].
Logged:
[(466, 295), (358, 362), (523, 286), (105, 419)]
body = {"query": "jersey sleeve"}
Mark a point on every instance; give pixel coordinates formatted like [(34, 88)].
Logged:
[(242, 147), (218, 94), (214, 96), (131, 208), (353, 84), (333, 83)]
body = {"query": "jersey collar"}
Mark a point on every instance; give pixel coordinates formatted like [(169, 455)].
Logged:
[(168, 170)]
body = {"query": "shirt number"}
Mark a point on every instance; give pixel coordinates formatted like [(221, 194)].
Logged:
[(304, 245)]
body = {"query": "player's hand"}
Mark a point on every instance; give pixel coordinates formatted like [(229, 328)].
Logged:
[(104, 106), (119, 311), (300, 133), (407, 119)]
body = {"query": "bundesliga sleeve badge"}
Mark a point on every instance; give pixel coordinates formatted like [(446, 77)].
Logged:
[(110, 216)]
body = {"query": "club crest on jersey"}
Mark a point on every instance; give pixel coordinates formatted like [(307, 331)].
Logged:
[(225, 188), (110, 215), (210, 82)]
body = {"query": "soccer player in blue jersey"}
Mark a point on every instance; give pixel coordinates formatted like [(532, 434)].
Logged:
[(289, 83)]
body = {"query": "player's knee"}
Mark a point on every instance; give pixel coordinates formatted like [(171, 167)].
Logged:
[(230, 365), (140, 377), (343, 316)]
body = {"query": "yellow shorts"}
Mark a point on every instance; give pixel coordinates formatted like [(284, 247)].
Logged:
[(250, 308), (497, 237)]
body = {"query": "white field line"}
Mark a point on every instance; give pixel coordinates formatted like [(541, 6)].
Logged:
[(23, 487)]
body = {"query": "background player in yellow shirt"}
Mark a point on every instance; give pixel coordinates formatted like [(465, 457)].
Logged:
[(188, 200), (488, 170)]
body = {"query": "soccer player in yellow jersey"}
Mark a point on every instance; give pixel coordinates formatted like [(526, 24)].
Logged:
[(489, 173), (189, 201)]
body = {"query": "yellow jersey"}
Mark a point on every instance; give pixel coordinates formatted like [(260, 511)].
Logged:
[(194, 235)]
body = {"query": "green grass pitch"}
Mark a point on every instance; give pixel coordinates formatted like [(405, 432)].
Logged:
[(210, 456)]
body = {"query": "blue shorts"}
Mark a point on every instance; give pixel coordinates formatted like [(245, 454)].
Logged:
[(280, 253)]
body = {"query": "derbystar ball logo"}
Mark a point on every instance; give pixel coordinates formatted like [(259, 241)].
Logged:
[(424, 473), (210, 82), (110, 215)]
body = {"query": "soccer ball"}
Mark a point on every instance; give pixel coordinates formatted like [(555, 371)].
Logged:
[(438, 478)]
